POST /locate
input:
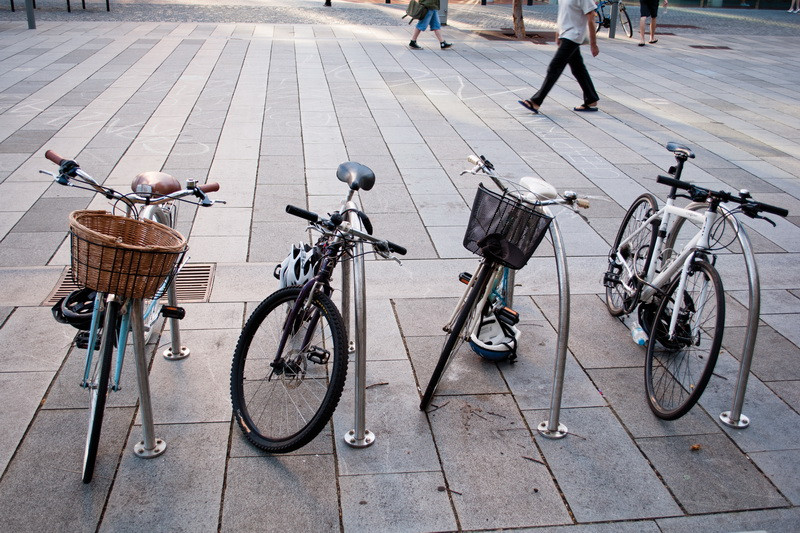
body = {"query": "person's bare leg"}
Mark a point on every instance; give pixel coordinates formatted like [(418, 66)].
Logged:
[(438, 35), (415, 34), (652, 30), (642, 22)]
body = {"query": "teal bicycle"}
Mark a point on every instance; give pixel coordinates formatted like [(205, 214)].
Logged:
[(120, 261)]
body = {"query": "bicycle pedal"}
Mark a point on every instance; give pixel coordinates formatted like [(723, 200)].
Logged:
[(172, 311), (611, 280), (82, 340), (465, 278), (508, 316)]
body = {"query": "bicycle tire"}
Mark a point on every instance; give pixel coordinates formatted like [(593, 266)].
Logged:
[(618, 300), (451, 343), (625, 20), (98, 390), (599, 16), (678, 369), (313, 389)]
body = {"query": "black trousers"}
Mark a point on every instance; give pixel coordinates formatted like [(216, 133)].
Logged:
[(568, 53)]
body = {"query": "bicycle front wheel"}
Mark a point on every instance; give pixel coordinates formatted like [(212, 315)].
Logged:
[(454, 339), (98, 389), (625, 20), (630, 256), (283, 400), (598, 18), (679, 365)]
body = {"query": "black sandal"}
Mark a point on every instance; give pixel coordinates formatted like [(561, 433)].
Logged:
[(527, 104)]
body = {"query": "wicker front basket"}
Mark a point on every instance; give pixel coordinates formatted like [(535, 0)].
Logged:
[(122, 255)]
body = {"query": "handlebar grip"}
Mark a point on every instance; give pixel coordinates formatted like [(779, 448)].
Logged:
[(396, 248), (583, 203), (209, 187), (780, 211), (302, 213), (54, 157), (672, 182)]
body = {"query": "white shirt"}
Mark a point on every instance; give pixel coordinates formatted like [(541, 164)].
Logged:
[(572, 19)]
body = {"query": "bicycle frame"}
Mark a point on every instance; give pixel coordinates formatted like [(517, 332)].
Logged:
[(122, 340), (699, 242)]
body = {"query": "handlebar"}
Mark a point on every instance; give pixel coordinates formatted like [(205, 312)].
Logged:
[(71, 169), (335, 222), (546, 197), (750, 207)]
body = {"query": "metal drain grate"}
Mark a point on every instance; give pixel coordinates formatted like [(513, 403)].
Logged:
[(192, 285)]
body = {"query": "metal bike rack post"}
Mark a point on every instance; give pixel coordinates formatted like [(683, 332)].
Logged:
[(150, 446), (359, 436), (551, 428), (734, 418), (175, 352), (612, 27)]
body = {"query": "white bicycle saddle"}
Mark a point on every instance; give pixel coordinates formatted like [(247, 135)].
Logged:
[(539, 189)]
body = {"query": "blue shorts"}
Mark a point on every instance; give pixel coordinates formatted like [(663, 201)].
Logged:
[(432, 18)]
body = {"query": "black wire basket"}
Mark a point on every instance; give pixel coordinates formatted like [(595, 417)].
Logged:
[(504, 229)]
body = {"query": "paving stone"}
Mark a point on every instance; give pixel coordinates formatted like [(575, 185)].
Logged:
[(774, 357), (715, 477), (782, 470), (600, 471), (396, 502), (192, 482), (490, 460), (624, 389), (778, 520), (403, 442), (765, 410), (21, 394), (31, 340), (306, 484), (33, 477)]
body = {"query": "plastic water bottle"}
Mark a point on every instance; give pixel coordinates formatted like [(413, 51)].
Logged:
[(638, 334)]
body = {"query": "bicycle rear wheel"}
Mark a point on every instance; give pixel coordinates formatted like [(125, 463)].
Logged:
[(625, 20), (282, 403), (599, 16), (98, 389), (636, 252), (679, 366), (454, 338)]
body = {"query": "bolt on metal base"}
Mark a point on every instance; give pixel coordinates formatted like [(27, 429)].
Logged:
[(351, 440), (742, 423), (560, 433), (169, 355), (144, 453)]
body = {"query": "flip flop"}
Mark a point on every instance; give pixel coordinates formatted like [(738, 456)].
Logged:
[(641, 44), (584, 108), (527, 104), (654, 41)]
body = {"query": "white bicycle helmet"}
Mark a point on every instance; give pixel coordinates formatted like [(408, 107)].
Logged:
[(300, 265), (494, 340)]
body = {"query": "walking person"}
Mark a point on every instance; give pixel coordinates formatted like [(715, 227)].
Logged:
[(648, 8), (431, 19), (576, 26), (794, 7)]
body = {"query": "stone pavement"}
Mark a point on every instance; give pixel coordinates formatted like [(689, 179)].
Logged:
[(268, 109)]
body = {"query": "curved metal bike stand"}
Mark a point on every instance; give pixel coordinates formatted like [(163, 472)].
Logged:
[(150, 446), (359, 436), (551, 428), (175, 352), (734, 418)]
